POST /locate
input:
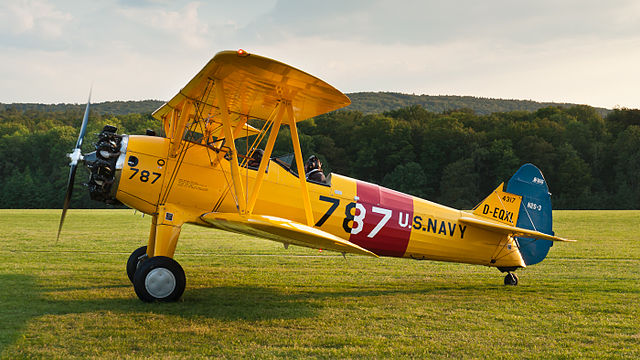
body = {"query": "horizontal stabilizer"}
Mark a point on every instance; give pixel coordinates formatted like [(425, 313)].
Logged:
[(509, 230), (282, 230)]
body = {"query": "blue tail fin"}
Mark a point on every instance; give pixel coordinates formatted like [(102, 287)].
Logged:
[(535, 211)]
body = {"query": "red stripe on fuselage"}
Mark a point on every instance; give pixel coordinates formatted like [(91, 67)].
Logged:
[(392, 238)]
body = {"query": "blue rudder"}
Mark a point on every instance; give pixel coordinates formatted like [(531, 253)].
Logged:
[(535, 211)]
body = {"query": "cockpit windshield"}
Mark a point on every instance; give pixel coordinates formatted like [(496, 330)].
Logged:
[(287, 161)]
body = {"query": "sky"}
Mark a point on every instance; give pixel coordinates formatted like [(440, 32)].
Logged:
[(585, 52)]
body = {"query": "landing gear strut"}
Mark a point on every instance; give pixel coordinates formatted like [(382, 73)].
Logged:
[(511, 279)]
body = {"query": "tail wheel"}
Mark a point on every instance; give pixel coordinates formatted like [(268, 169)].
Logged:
[(135, 260), (511, 279), (159, 279)]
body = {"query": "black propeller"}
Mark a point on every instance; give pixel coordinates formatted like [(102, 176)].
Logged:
[(75, 156)]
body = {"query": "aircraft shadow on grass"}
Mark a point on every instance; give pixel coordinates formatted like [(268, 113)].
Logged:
[(24, 299)]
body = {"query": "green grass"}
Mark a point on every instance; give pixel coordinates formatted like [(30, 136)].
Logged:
[(248, 298)]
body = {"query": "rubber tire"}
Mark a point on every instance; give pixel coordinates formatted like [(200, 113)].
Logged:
[(159, 262), (511, 279), (135, 260)]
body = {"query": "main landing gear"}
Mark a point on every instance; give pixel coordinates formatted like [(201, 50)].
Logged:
[(159, 278)]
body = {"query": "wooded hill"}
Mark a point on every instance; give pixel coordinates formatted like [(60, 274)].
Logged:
[(379, 102), (454, 157), (108, 107), (364, 102)]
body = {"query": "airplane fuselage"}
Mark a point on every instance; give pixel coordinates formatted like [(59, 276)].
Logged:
[(384, 221)]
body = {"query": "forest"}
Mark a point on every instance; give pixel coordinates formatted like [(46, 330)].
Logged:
[(454, 157)]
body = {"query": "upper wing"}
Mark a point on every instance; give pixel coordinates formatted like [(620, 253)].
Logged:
[(282, 230), (215, 129), (509, 230), (253, 87)]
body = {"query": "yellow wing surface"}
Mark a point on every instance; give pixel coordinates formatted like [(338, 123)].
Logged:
[(282, 230), (253, 86)]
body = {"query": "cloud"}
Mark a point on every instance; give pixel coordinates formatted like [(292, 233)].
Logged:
[(183, 24), (433, 22), (33, 17), (579, 51)]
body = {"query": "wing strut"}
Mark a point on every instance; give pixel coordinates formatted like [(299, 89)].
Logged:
[(236, 133), (178, 130), (228, 134), (300, 164), (262, 170)]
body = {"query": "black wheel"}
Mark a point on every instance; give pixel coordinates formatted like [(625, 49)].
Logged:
[(159, 279), (511, 279), (135, 259)]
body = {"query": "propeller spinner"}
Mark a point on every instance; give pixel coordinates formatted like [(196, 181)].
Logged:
[(75, 157)]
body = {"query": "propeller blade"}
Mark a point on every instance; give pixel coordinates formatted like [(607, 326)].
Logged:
[(85, 120), (75, 156), (67, 197)]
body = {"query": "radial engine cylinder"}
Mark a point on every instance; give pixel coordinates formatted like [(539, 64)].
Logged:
[(105, 165)]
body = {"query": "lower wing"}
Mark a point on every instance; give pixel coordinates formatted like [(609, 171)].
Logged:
[(282, 230)]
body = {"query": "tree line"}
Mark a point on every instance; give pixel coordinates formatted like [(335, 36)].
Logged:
[(453, 157)]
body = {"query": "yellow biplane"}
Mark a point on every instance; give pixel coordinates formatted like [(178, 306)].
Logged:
[(196, 174)]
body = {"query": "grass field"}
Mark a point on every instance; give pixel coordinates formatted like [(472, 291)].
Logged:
[(249, 298)]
